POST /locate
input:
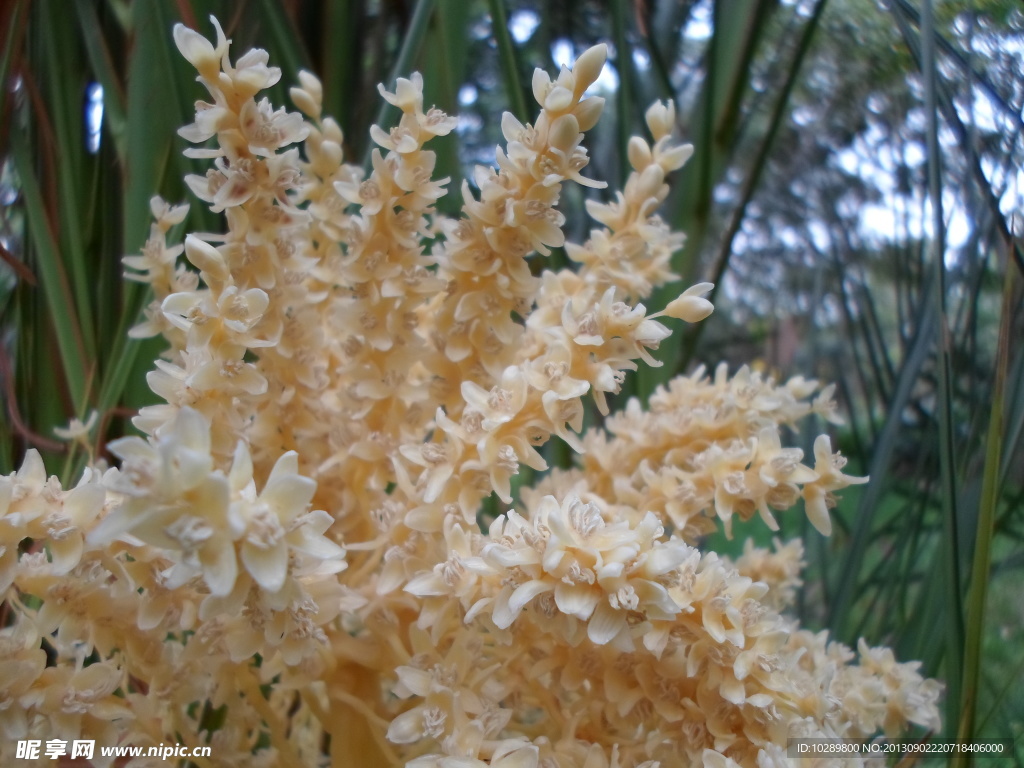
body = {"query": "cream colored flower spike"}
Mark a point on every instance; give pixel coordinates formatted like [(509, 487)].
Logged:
[(337, 540)]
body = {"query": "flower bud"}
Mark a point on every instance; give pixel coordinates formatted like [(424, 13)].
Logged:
[(558, 99), (674, 158), (661, 118), (332, 130), (206, 258), (305, 102), (588, 112), (699, 289), (691, 306), (511, 128), (331, 151), (565, 132), (588, 68), (541, 85), (651, 180), (311, 85), (639, 153)]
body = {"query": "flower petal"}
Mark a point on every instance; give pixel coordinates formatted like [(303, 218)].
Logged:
[(268, 565), (605, 624)]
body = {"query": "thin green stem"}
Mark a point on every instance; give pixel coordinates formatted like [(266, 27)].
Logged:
[(947, 459)]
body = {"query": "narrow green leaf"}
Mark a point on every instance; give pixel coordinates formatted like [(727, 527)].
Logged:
[(289, 51), (739, 28), (944, 405), (750, 186), (625, 108), (52, 278), (509, 64), (64, 96), (412, 42), (443, 76), (981, 566), (7, 54), (101, 61), (155, 98), (881, 464), (340, 48)]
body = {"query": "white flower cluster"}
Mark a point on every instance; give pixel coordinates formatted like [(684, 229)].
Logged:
[(288, 565)]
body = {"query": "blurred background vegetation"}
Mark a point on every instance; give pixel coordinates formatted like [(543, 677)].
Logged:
[(856, 194)]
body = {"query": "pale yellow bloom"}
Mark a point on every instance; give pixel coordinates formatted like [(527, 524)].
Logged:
[(818, 495), (77, 431), (296, 552)]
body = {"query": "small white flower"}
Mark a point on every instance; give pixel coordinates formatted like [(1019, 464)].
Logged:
[(77, 431)]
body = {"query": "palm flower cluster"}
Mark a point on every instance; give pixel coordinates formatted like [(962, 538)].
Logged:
[(288, 565)]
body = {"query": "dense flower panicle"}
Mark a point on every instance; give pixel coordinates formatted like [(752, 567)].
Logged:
[(290, 555), (710, 447), (634, 250), (778, 567), (483, 258), (607, 576), (157, 267)]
